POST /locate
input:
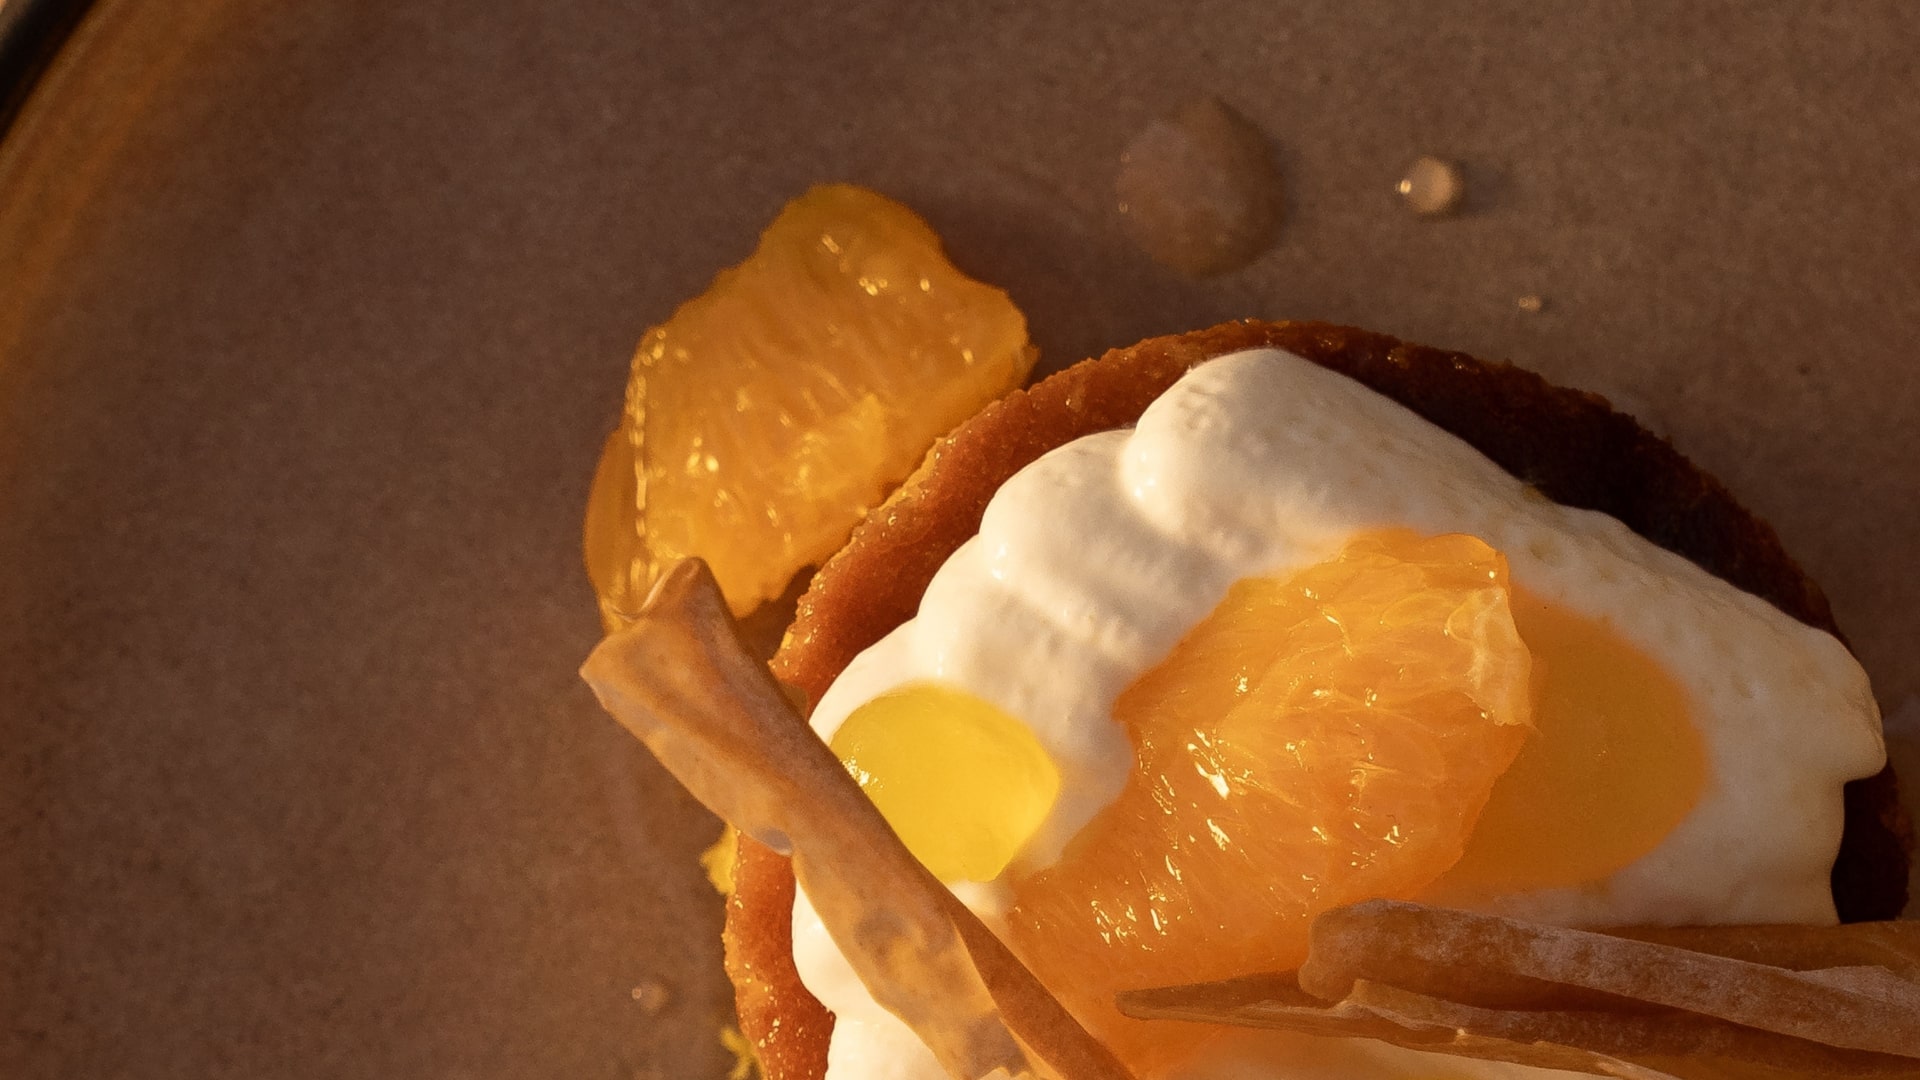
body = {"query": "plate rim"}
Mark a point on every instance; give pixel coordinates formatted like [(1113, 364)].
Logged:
[(31, 34)]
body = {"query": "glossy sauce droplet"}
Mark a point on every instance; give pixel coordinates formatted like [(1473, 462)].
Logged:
[(653, 997), (1432, 187), (1198, 190)]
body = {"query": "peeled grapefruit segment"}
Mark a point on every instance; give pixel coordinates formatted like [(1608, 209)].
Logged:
[(770, 412)]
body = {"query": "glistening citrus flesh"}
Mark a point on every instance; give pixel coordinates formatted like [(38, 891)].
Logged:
[(1316, 740), (963, 783), (615, 564), (770, 412)]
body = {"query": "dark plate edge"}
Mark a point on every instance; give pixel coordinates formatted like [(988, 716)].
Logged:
[(31, 32)]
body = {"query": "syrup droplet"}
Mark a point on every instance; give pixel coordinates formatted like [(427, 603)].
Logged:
[(1530, 303), (1198, 190), (1432, 187), (653, 997)]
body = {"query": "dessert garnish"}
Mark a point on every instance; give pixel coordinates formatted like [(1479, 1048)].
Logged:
[(1694, 1003), (681, 681), (769, 413)]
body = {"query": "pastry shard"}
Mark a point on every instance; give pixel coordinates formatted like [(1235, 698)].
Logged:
[(681, 681), (1691, 1003)]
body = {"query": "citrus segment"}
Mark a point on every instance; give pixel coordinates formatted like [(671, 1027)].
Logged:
[(613, 552), (770, 412), (1314, 741), (963, 783), (1615, 763)]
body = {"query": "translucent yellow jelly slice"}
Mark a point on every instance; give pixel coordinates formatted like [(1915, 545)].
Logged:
[(964, 784)]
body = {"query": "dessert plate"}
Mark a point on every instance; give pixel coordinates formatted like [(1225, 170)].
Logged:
[(313, 317)]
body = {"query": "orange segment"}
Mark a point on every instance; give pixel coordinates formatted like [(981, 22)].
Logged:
[(615, 564), (770, 412), (1314, 741), (1614, 765)]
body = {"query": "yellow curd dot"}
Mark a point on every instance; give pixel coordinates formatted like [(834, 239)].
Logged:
[(963, 783)]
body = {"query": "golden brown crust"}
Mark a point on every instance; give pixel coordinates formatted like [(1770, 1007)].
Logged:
[(1548, 436), (786, 1026)]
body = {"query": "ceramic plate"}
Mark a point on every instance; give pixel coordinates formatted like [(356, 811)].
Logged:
[(313, 317)]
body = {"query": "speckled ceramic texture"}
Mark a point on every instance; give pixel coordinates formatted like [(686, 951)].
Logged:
[(313, 316)]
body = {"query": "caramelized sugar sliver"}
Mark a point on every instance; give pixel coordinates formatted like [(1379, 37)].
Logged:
[(1483, 986)]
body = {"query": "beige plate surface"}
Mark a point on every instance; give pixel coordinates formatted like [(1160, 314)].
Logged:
[(312, 317)]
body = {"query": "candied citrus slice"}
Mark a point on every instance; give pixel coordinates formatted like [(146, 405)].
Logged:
[(770, 412), (1315, 741)]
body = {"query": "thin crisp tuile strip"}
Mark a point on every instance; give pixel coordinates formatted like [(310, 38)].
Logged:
[(1705, 1003), (681, 681)]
